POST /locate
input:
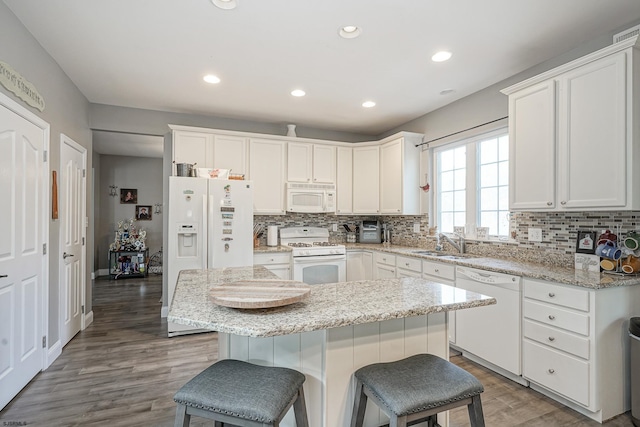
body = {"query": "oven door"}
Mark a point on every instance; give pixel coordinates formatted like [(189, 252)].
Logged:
[(315, 270)]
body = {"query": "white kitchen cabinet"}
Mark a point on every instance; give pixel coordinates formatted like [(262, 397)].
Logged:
[(359, 265), (400, 177), (384, 265), (344, 180), (230, 152), (267, 168), (408, 267), (313, 163), (277, 263), (441, 272), (575, 345), (193, 147), (582, 113), (366, 180)]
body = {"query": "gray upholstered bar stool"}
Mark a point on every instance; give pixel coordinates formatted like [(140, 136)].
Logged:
[(242, 394), (416, 389)]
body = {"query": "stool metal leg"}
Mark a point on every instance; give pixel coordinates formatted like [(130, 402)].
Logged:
[(300, 409), (182, 418), (475, 412), (359, 405)]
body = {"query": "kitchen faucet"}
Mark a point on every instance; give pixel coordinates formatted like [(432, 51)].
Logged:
[(460, 246)]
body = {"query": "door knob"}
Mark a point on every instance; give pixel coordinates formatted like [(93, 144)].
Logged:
[(66, 255)]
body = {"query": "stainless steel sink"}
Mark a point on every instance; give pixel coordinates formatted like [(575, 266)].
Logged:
[(442, 254)]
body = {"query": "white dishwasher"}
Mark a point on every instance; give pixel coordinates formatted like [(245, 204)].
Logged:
[(492, 333)]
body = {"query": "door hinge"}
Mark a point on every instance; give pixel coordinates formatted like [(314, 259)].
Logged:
[(44, 156), (83, 309), (44, 341), (44, 249), (84, 173)]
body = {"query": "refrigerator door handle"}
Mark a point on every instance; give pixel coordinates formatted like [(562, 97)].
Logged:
[(205, 235)]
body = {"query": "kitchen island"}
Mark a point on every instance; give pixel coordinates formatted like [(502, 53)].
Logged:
[(339, 328)]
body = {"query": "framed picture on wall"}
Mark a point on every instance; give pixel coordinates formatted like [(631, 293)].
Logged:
[(143, 212), (129, 195), (586, 242)]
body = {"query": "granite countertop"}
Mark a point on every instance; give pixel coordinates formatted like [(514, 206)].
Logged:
[(328, 306), (516, 267)]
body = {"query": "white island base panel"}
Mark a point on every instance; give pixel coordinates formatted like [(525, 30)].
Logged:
[(329, 357)]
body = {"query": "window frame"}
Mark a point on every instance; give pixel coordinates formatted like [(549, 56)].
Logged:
[(472, 189)]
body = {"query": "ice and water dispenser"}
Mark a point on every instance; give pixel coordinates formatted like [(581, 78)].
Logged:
[(187, 240)]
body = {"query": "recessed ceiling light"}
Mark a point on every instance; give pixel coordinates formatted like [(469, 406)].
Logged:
[(447, 91), (298, 92), (210, 78), (350, 31), (225, 4), (368, 104), (441, 56)]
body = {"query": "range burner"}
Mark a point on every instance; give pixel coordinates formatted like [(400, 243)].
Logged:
[(324, 244), (300, 245)]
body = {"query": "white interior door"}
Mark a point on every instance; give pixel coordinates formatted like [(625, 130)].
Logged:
[(23, 230), (73, 159)]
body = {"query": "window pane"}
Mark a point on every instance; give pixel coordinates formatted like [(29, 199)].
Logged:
[(503, 148), (446, 160), (460, 179), (490, 219), (446, 201), (503, 173), (446, 181), (503, 198), (503, 226), (446, 220), (460, 155), (489, 151), (459, 219), (489, 175), (489, 199), (460, 200)]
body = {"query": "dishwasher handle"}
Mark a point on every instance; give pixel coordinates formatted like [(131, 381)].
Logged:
[(485, 277)]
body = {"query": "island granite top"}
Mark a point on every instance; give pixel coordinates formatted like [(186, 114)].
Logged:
[(328, 306)]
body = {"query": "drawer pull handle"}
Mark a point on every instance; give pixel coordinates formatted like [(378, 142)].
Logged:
[(437, 270), (551, 295), (552, 339), (551, 371), (407, 264), (549, 203), (552, 317)]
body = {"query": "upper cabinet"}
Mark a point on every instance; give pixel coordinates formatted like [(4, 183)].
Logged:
[(267, 167), (230, 152), (399, 177), (366, 180), (193, 147), (574, 134), (344, 180), (313, 163)]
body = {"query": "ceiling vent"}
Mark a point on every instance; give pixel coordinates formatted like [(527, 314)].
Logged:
[(627, 34)]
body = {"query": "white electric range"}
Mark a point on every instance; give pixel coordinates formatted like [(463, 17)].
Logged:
[(315, 259)]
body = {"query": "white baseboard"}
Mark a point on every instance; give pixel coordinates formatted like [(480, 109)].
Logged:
[(53, 353), (103, 272), (93, 275), (88, 319)]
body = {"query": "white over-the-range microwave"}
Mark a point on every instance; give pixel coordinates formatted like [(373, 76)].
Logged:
[(311, 198)]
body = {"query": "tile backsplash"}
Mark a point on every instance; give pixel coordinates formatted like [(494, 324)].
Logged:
[(559, 230)]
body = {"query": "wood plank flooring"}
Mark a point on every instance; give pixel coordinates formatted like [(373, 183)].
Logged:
[(123, 371)]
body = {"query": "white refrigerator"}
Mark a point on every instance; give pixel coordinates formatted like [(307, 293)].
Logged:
[(210, 225)]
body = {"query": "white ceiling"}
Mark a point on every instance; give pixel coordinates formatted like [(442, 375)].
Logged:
[(153, 54), (127, 144)]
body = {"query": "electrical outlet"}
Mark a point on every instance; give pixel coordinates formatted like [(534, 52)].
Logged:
[(535, 234), (416, 227), (335, 227)]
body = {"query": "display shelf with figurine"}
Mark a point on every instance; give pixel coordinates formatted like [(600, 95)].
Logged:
[(128, 254)]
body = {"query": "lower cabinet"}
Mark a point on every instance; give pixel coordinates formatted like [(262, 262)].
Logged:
[(384, 266), (408, 267), (575, 345), (359, 265), (442, 273), (277, 263)]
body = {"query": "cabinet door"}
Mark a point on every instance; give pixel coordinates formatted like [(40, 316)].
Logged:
[(391, 177), (592, 133), (299, 162), (355, 266), (344, 180), (230, 152), (532, 147), (324, 164), (193, 147), (366, 180), (384, 271), (267, 171)]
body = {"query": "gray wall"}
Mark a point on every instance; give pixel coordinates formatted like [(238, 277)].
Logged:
[(67, 111), (141, 173)]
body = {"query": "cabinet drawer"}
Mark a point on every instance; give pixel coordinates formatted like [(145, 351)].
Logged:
[(438, 269), (384, 258), (557, 338), (277, 258), (561, 295), (555, 316), (406, 263), (559, 372)]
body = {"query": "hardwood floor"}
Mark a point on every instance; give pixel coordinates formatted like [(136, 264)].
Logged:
[(123, 371)]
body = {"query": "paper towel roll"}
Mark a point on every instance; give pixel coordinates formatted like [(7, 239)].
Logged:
[(272, 235)]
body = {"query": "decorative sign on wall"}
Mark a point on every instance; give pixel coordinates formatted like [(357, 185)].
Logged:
[(17, 84)]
